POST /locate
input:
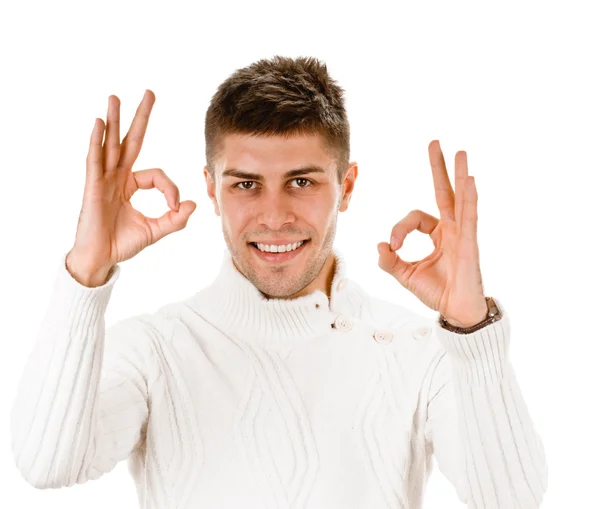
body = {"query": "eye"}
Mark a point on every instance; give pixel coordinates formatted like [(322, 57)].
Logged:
[(243, 187), (303, 179)]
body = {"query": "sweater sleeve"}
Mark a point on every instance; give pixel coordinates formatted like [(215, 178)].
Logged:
[(81, 404), (478, 425)]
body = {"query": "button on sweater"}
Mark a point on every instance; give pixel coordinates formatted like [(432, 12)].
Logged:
[(228, 399)]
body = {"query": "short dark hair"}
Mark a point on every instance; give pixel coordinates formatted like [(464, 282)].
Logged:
[(281, 96)]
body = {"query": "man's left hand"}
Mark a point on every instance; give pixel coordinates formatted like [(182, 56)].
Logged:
[(449, 279)]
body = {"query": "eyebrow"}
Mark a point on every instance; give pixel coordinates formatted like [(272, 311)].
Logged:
[(311, 168)]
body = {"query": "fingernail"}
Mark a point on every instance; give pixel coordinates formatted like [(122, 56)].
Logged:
[(393, 243)]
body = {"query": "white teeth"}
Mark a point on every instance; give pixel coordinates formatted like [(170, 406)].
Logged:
[(279, 249)]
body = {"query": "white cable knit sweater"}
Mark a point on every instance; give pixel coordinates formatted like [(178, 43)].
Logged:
[(231, 400)]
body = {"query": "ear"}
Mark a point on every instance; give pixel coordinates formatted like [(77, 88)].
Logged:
[(348, 185), (211, 190)]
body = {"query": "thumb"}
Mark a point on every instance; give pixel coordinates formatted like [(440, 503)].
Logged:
[(173, 220), (390, 262), (180, 217)]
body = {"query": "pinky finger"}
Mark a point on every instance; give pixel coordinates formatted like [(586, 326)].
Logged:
[(94, 157)]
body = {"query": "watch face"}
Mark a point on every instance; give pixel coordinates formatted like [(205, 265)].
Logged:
[(493, 308)]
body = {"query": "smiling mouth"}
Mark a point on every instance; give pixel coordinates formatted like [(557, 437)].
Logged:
[(287, 248)]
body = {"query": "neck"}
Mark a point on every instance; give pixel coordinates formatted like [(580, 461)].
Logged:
[(233, 303)]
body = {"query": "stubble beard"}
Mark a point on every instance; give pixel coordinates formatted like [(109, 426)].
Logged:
[(276, 284)]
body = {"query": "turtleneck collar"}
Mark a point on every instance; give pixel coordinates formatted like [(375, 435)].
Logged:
[(234, 305)]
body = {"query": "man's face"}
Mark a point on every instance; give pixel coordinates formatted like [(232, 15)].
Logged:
[(259, 203)]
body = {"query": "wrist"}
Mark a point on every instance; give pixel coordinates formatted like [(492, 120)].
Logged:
[(493, 314), (84, 276), (479, 317)]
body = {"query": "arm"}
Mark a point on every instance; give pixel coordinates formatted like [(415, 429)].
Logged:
[(478, 425), (82, 400)]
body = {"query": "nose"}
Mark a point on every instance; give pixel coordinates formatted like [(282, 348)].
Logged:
[(274, 210)]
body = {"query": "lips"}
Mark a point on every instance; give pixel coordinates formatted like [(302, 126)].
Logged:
[(278, 257), (303, 241)]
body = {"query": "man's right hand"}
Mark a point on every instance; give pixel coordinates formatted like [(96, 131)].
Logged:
[(110, 230)]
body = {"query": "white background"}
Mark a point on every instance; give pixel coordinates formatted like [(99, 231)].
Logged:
[(516, 86)]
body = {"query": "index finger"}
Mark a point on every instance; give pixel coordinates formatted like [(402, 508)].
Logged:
[(132, 143)]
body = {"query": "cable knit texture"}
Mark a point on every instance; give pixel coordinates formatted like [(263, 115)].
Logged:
[(227, 399)]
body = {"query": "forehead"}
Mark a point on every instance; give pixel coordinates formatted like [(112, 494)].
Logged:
[(273, 154)]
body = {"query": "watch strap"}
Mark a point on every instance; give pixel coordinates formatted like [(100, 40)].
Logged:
[(494, 314)]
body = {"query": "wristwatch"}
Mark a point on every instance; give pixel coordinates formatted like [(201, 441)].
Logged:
[(494, 314)]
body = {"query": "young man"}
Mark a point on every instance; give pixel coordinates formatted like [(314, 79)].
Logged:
[(283, 383)]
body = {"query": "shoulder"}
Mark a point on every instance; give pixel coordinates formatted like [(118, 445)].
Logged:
[(134, 335), (382, 312), (145, 330), (144, 340), (416, 327)]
